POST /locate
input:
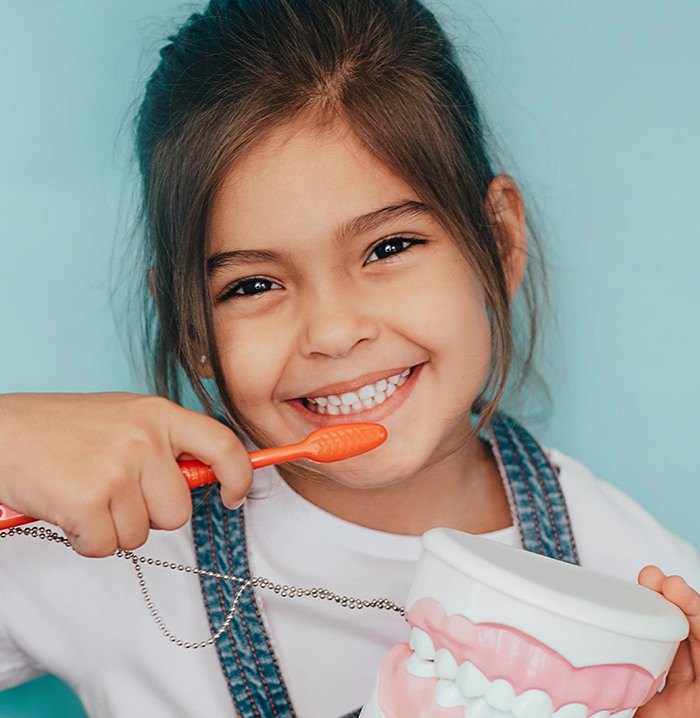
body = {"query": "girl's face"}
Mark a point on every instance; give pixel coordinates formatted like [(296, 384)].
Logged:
[(343, 301)]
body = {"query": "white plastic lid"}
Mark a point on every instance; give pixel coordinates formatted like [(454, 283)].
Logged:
[(575, 592)]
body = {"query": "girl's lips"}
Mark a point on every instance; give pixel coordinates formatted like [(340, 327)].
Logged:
[(388, 406)]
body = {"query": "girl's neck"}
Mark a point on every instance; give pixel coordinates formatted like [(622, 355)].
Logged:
[(464, 491)]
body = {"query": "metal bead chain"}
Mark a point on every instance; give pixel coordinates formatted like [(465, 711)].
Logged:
[(283, 590)]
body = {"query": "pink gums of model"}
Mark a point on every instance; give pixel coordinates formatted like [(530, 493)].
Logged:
[(530, 665)]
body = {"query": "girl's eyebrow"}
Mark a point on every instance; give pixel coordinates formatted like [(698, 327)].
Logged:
[(364, 223)]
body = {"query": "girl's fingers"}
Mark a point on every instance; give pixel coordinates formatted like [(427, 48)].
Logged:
[(94, 535), (167, 496), (652, 577), (686, 664), (130, 518), (682, 670), (675, 589), (216, 445)]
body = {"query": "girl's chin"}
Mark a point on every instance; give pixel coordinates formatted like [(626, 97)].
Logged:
[(378, 485), (372, 477)]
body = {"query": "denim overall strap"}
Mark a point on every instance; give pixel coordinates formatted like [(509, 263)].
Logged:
[(245, 653), (535, 496), (257, 687)]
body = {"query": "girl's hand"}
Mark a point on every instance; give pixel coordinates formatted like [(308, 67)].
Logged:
[(103, 466), (680, 697)]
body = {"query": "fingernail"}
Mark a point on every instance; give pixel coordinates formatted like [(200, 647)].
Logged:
[(237, 505)]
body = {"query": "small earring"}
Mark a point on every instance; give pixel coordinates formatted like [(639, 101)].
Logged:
[(203, 359)]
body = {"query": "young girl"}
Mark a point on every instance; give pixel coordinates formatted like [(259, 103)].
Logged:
[(326, 242)]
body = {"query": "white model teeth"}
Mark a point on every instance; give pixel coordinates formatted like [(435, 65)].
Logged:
[(447, 695), (367, 397), (465, 685), (532, 703), (500, 695), (578, 710), (445, 664), (471, 682), (420, 668), (422, 644)]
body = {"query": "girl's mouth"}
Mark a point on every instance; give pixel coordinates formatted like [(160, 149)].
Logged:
[(371, 403)]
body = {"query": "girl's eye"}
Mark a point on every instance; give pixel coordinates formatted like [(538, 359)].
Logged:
[(251, 287), (255, 286), (393, 245)]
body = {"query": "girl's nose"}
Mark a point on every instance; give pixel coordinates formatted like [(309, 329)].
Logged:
[(335, 321)]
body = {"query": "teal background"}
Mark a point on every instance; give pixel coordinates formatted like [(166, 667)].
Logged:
[(598, 108)]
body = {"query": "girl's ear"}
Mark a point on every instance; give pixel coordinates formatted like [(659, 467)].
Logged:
[(506, 212)]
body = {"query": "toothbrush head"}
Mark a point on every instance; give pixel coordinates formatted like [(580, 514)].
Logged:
[(344, 441)]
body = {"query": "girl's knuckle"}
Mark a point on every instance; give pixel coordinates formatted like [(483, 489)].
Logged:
[(86, 503), (176, 517), (135, 541), (138, 442), (226, 445), (114, 484), (153, 403), (96, 547)]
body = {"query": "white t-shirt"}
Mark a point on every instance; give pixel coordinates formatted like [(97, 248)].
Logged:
[(84, 619)]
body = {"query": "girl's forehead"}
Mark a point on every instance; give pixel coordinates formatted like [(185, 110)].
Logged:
[(301, 178)]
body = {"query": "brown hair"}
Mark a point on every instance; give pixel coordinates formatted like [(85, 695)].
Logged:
[(237, 70)]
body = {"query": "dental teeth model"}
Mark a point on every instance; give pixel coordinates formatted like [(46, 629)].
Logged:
[(499, 632)]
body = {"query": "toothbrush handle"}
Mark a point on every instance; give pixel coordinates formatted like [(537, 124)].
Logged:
[(10, 518), (198, 474), (195, 472)]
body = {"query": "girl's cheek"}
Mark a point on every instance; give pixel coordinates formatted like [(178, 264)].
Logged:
[(251, 363), (452, 310)]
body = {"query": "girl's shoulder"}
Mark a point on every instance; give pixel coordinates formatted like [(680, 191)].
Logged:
[(613, 532)]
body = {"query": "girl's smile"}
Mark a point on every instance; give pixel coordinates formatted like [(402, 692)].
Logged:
[(371, 402)]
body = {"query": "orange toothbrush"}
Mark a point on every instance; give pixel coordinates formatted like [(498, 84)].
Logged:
[(331, 443)]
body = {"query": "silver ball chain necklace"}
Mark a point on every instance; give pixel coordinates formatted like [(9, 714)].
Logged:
[(41, 532)]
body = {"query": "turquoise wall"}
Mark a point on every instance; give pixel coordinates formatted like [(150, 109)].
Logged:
[(598, 106)]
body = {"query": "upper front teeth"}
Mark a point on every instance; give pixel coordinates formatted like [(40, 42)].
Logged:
[(422, 644), (367, 392), (445, 664)]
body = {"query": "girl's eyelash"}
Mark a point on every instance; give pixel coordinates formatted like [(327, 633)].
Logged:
[(387, 240), (230, 293)]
